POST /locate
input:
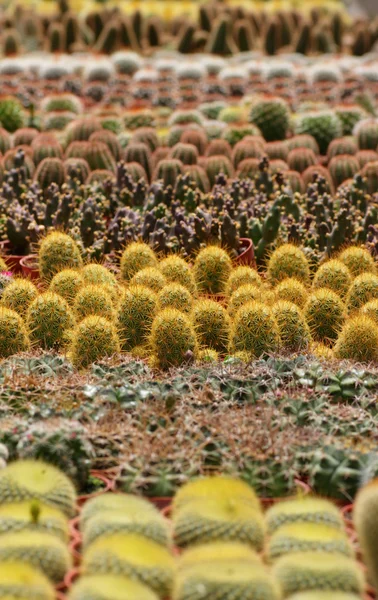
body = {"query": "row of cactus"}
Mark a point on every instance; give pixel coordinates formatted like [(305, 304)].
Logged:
[(158, 308), (220, 29)]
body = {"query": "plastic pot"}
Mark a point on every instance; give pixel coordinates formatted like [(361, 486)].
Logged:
[(29, 266), (13, 261), (108, 486), (71, 577), (247, 257), (75, 550), (161, 502)]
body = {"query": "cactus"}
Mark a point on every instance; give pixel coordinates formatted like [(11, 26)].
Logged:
[(212, 325), (168, 171), (149, 277), (242, 275), (243, 35), (24, 136), (136, 257), (174, 295), (365, 520), (216, 165), (324, 126), (18, 295), (50, 170), (186, 153), (370, 309), (198, 176), (334, 275), (76, 168), (288, 261), (277, 149), (292, 290), (146, 135), (196, 138), (31, 480), (176, 270), (25, 582), (363, 288), (207, 355), (93, 300), (5, 140), (140, 153), (14, 336), (49, 318), (349, 116), (93, 339), (133, 556), (244, 150), (110, 140), (173, 339), (366, 132), (56, 40), (212, 268), (11, 42), (219, 148), (136, 171), (345, 145), (303, 510), (135, 314), (320, 571), (67, 283), (358, 260), (97, 155), (293, 330), (57, 251), (343, 167), (12, 116), (308, 537), (325, 315), (271, 116), (247, 292), (370, 175), (299, 159), (80, 130), (366, 156), (255, 330), (213, 487), (220, 40), (303, 140)]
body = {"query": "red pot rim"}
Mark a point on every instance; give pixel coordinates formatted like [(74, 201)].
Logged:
[(71, 576), (109, 486), (25, 259)]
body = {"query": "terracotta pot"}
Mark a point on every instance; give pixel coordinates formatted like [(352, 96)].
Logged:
[(71, 577), (161, 502), (13, 262), (247, 257), (75, 551), (29, 266), (74, 529), (108, 487)]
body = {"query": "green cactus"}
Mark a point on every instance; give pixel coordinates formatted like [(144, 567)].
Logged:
[(14, 336), (343, 167), (176, 270), (18, 295), (325, 314), (173, 339), (366, 132), (174, 295), (136, 257), (292, 290), (271, 116), (324, 126), (93, 339), (212, 325), (168, 171), (242, 275), (93, 300), (363, 288), (255, 330), (67, 283), (49, 318), (12, 115), (344, 145), (293, 330), (212, 268), (299, 159), (150, 277), (57, 251), (135, 314), (288, 261), (334, 275), (358, 260), (50, 170), (365, 518)]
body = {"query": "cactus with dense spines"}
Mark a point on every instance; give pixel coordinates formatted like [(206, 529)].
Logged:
[(176, 270), (116, 503), (271, 116), (207, 355), (334, 275), (11, 42), (308, 537), (18, 295), (48, 318), (135, 257), (319, 571), (146, 135), (93, 300), (244, 150), (168, 171), (299, 159), (325, 314), (93, 339), (366, 132), (100, 176), (214, 520), (67, 283), (56, 40), (303, 510), (25, 582), (349, 116), (366, 156), (97, 154), (76, 168), (370, 309), (81, 129), (174, 295), (57, 120), (278, 149), (57, 251), (133, 556), (365, 518), (140, 153), (293, 330), (41, 550), (5, 140), (212, 325), (150, 277), (363, 288), (248, 168), (31, 480), (110, 140), (292, 290), (225, 570), (343, 167), (316, 171), (242, 275), (50, 170), (186, 153), (255, 330), (212, 268), (288, 261), (12, 116), (214, 487), (342, 146), (24, 136), (303, 140), (17, 157), (324, 126), (116, 587), (13, 333), (358, 260), (173, 340), (370, 175), (215, 165), (136, 171), (247, 292), (196, 138), (219, 148), (135, 314), (198, 175)]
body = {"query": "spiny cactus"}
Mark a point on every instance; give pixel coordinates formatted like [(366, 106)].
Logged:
[(81, 129), (325, 314), (363, 288), (105, 586), (110, 140), (293, 330), (67, 283), (50, 170), (324, 126), (342, 167), (168, 171), (18, 295), (49, 317), (136, 257), (299, 159), (12, 116), (292, 290), (186, 153), (271, 116), (255, 330), (365, 518), (345, 145), (216, 165), (176, 270), (247, 292), (93, 339), (149, 277), (140, 153), (242, 275), (358, 260), (370, 174), (305, 509), (212, 268), (288, 261), (57, 251), (174, 295), (136, 311), (212, 325), (93, 300), (366, 132), (334, 275), (13, 333), (173, 339)]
